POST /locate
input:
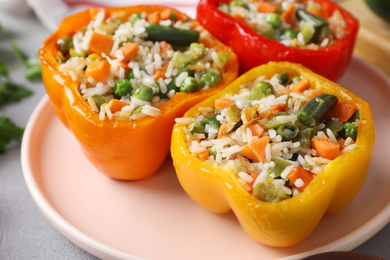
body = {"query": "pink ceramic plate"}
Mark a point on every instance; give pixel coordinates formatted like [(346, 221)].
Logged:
[(155, 219)]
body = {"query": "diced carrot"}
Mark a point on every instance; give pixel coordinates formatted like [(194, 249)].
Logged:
[(313, 93), (224, 103), (342, 110), (325, 148), (195, 66), (159, 74), (257, 129), (100, 43), (254, 177), (300, 173), (341, 142), (317, 11), (267, 7), (288, 13), (221, 130), (203, 156), (129, 50), (164, 47), (99, 70), (279, 107), (153, 18), (255, 150), (116, 105), (166, 14), (248, 113), (301, 86), (255, 107)]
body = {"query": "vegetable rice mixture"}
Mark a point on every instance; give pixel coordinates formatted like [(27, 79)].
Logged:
[(129, 67), (276, 134), (296, 23)]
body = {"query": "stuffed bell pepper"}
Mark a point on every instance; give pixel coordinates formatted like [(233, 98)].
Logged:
[(280, 147), (319, 34), (118, 77)]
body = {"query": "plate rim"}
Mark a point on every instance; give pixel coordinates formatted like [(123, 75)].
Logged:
[(101, 250)]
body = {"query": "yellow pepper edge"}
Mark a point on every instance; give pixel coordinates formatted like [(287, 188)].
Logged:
[(284, 223)]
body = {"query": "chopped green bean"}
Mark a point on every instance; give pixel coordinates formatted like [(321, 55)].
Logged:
[(316, 109), (287, 131), (171, 35)]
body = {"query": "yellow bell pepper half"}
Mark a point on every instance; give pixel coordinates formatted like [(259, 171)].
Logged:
[(287, 222)]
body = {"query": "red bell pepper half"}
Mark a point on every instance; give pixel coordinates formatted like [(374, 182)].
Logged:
[(254, 49)]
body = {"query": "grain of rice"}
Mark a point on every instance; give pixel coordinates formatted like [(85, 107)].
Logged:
[(184, 121), (331, 136), (73, 75), (348, 141), (171, 93), (348, 148), (299, 183), (180, 78), (139, 102), (92, 103)]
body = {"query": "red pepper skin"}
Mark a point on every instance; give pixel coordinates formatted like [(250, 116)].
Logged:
[(254, 49)]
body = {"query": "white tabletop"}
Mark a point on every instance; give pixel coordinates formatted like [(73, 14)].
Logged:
[(24, 231)]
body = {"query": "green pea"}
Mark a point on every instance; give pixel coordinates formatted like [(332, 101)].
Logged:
[(349, 130), (274, 19), (144, 93), (134, 18), (64, 44), (122, 87), (291, 33), (283, 78), (261, 90), (287, 131), (238, 4), (210, 78), (189, 84), (130, 73)]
